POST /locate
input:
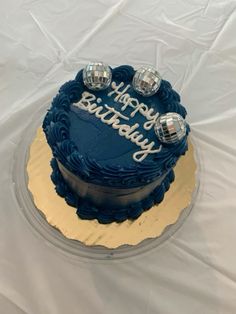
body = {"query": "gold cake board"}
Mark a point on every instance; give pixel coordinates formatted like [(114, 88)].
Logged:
[(150, 224)]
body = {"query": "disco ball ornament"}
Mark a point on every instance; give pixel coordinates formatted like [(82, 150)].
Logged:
[(170, 128), (146, 81), (97, 75)]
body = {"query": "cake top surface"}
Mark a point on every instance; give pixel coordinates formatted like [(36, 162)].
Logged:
[(108, 136)]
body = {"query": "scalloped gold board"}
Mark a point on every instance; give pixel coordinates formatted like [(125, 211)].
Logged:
[(150, 224)]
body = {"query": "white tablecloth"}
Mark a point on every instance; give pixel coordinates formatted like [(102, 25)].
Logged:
[(193, 44)]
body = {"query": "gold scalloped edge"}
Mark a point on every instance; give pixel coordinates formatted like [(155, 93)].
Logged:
[(150, 224)]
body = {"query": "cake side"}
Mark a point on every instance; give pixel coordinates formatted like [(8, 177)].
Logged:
[(107, 214)]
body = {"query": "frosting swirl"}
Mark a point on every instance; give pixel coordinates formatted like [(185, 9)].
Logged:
[(171, 99), (177, 107), (61, 101), (79, 77), (64, 149), (123, 73), (59, 116), (75, 163), (72, 89), (56, 133)]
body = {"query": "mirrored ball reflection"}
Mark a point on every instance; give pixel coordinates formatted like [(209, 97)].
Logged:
[(146, 81), (170, 128), (97, 75)]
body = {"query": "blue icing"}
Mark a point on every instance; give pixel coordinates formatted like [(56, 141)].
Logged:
[(97, 139), (100, 141), (103, 152), (123, 73)]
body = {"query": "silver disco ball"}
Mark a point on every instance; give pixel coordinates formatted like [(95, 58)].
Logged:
[(170, 128), (97, 75), (146, 81)]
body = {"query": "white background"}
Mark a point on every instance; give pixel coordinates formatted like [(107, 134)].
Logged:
[(193, 44)]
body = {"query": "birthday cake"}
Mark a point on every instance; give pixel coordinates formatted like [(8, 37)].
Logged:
[(116, 135)]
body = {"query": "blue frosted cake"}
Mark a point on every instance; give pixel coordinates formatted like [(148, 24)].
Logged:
[(116, 135)]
